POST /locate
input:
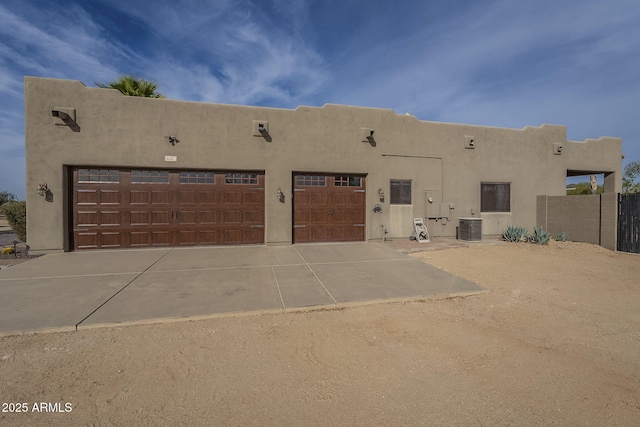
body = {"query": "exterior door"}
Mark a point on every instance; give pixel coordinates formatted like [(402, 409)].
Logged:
[(328, 208)]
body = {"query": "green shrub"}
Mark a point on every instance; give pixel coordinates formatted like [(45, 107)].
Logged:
[(562, 237), (539, 236), (16, 213), (514, 234), (6, 197)]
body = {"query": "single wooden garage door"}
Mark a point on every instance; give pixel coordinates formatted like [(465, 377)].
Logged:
[(328, 208), (128, 208)]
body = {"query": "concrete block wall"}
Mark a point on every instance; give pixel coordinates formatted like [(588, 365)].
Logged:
[(584, 218), (609, 220)]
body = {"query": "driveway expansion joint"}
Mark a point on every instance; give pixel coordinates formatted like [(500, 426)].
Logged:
[(123, 288)]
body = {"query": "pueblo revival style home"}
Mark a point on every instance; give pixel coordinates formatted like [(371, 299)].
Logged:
[(110, 171)]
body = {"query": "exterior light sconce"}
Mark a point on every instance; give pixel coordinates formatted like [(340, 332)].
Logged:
[(381, 194), (557, 149), (173, 140), (469, 142), (64, 114), (42, 189), (261, 128), (367, 135), (280, 195)]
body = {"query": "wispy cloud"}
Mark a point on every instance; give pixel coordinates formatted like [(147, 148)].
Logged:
[(236, 51), (496, 62)]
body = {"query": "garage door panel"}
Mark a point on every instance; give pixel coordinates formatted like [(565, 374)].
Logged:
[(187, 237), (319, 199), (329, 208), (209, 237), (213, 197), (110, 218), (86, 219), (110, 197), (341, 199), (139, 218), (254, 197), (233, 198), (347, 234), (319, 217), (161, 197), (175, 209), (138, 197), (208, 217), (187, 217), (253, 217), (87, 240), (140, 238), (319, 235), (302, 199), (232, 236), (301, 235), (233, 217), (302, 217), (87, 197), (161, 238), (188, 197), (110, 239), (160, 217), (254, 235)]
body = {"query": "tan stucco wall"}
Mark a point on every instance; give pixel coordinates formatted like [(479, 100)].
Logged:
[(115, 130), (584, 218)]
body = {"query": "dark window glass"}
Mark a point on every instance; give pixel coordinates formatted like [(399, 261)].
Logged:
[(197, 177), (98, 175), (400, 192), (138, 176), (347, 181), (241, 178), (495, 197), (311, 180)]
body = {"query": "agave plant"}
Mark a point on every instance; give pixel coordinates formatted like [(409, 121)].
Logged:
[(514, 234), (539, 236), (562, 237)]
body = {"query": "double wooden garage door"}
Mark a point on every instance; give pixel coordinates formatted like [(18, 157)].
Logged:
[(328, 208), (126, 208)]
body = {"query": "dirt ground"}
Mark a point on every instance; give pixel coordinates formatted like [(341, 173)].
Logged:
[(555, 341)]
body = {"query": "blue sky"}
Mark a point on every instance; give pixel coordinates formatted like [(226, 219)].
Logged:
[(508, 63)]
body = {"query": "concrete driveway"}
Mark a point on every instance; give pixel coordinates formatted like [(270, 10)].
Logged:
[(68, 291)]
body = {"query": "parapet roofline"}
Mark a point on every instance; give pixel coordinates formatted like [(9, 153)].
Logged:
[(560, 128)]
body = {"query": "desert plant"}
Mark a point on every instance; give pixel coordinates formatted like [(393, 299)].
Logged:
[(6, 197), (561, 237), (514, 234), (134, 86), (16, 213), (539, 236)]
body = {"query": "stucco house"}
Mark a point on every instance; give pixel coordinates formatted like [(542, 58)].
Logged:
[(127, 172)]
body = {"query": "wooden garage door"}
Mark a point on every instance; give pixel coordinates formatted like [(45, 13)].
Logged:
[(127, 208), (328, 208)]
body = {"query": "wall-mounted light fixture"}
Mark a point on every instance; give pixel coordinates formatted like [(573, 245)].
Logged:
[(469, 142), (280, 195), (173, 140), (66, 114), (261, 128), (367, 135), (381, 194), (42, 189)]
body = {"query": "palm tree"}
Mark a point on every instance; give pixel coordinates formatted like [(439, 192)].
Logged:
[(134, 86)]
